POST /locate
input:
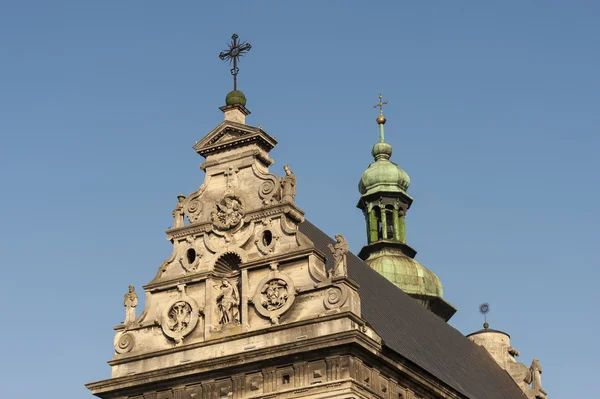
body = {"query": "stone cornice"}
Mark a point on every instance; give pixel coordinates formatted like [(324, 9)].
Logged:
[(358, 343), (245, 335), (248, 134), (254, 355)]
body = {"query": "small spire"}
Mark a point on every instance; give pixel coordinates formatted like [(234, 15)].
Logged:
[(380, 119)]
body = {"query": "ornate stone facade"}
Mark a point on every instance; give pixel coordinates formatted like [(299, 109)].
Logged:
[(247, 306)]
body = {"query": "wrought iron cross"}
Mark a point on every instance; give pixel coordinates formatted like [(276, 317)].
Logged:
[(380, 105), (236, 50)]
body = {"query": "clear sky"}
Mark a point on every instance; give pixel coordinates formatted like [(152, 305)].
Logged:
[(493, 111)]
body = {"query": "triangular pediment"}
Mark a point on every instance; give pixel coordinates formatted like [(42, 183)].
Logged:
[(231, 134)]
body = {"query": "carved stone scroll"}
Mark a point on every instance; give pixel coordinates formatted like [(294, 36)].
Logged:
[(124, 342), (335, 297)]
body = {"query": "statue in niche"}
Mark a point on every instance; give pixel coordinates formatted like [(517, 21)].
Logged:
[(178, 212), (130, 302), (339, 251), (179, 316), (275, 294), (228, 302), (288, 185), (230, 212), (534, 376)]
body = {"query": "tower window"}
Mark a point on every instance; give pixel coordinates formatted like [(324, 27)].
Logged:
[(379, 226), (389, 217)]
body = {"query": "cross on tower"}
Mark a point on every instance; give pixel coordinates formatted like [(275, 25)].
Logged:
[(380, 105), (236, 50)]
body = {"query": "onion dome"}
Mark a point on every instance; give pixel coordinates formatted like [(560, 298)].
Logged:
[(383, 174), (406, 273)]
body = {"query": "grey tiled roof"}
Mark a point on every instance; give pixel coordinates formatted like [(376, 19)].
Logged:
[(418, 335)]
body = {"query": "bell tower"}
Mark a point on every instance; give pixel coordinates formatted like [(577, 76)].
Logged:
[(384, 201)]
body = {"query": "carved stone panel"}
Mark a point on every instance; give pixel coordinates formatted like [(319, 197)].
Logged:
[(274, 296), (229, 213), (180, 318)]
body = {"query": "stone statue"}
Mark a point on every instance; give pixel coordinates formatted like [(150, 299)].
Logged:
[(228, 302), (178, 212), (534, 377), (513, 352), (339, 251), (288, 185), (130, 302)]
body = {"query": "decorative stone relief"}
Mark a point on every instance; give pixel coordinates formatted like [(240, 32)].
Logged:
[(339, 251), (266, 239), (231, 176), (229, 213), (268, 193), (130, 302), (191, 256), (228, 302), (274, 296), (180, 317), (335, 297), (124, 342), (193, 204)]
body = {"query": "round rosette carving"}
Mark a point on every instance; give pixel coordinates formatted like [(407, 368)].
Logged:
[(229, 212), (180, 318), (274, 296), (124, 342), (335, 297)]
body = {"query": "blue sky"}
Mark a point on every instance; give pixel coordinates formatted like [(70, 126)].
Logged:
[(493, 111)]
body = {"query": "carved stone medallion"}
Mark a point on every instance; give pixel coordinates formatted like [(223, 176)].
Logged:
[(229, 213), (274, 296), (180, 318)]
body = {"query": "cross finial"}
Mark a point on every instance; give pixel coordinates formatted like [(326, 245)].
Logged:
[(233, 53), (381, 104)]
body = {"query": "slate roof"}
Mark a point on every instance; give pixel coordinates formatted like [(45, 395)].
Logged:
[(413, 332)]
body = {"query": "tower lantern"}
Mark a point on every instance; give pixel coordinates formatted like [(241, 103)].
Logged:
[(384, 201)]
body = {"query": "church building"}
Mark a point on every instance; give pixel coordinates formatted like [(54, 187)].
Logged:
[(255, 301)]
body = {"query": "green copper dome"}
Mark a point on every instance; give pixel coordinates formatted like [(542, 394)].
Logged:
[(383, 175), (406, 273), (235, 97)]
